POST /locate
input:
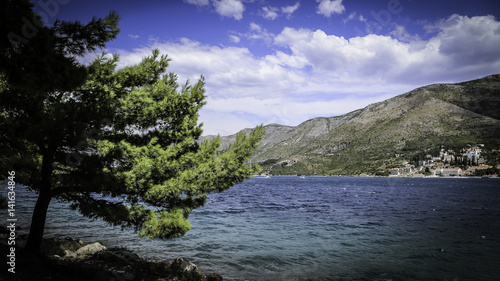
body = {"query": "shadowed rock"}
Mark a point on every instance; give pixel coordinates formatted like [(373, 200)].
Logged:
[(186, 270)]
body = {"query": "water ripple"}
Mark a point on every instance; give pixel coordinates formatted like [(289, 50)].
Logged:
[(286, 228)]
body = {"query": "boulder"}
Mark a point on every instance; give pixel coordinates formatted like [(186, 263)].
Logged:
[(59, 246), (69, 254), (118, 255), (90, 249), (122, 275), (214, 277), (186, 271)]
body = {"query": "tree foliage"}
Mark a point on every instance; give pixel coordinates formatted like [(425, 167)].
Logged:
[(119, 144), (146, 155)]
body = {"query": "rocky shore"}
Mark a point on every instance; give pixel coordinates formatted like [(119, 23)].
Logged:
[(64, 259)]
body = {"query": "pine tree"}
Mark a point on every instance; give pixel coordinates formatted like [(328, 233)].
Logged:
[(119, 144)]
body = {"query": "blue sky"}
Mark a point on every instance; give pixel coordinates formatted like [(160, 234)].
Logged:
[(288, 61)]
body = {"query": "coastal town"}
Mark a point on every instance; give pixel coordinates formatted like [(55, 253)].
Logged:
[(473, 161)]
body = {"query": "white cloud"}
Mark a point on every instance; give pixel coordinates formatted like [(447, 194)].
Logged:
[(287, 60), (401, 34), (198, 2), (234, 38), (354, 16), (289, 10), (255, 27), (229, 8), (229, 71), (226, 8), (257, 32), (318, 74), (350, 17), (270, 13), (462, 45), (470, 40), (329, 7)]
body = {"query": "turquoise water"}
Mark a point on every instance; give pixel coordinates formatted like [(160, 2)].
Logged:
[(324, 228)]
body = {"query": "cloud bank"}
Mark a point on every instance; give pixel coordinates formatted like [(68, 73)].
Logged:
[(311, 73), (226, 8), (235, 8), (329, 7), (271, 12)]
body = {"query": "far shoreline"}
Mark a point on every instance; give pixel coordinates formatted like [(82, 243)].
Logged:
[(373, 176)]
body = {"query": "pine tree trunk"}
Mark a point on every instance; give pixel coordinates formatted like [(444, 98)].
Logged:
[(38, 221), (42, 204)]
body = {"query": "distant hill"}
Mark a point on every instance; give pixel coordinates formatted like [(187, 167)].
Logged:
[(378, 137)]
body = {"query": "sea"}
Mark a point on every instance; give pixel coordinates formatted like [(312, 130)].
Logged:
[(321, 228)]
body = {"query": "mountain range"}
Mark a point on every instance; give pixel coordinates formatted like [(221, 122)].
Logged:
[(374, 139)]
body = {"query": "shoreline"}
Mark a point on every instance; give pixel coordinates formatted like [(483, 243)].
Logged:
[(70, 259), (372, 176)]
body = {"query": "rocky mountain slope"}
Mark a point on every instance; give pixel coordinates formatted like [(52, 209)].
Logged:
[(378, 137)]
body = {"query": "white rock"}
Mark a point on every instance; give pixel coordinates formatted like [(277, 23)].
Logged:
[(91, 248)]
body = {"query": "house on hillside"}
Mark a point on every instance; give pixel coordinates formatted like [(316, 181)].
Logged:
[(449, 158), (438, 165), (436, 159), (474, 154), (472, 169), (449, 172), (403, 171), (396, 172)]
